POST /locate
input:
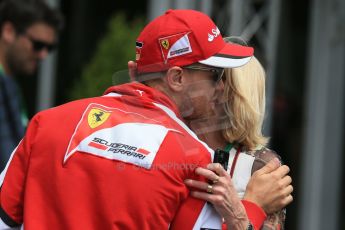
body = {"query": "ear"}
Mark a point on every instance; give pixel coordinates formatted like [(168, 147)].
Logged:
[(132, 69), (175, 78), (8, 32)]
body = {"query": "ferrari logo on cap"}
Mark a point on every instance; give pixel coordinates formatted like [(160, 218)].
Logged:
[(175, 45), (165, 43), (96, 117)]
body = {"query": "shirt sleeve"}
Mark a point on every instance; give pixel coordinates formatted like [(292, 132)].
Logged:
[(255, 214), (13, 180)]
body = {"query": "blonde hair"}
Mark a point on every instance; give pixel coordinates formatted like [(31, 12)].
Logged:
[(245, 106)]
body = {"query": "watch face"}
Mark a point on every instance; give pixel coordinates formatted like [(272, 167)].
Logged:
[(250, 227)]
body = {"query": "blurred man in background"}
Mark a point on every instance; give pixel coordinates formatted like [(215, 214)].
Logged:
[(28, 32)]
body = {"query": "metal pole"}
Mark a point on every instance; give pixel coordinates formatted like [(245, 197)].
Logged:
[(206, 6), (236, 15), (271, 47), (184, 4), (158, 7), (323, 150)]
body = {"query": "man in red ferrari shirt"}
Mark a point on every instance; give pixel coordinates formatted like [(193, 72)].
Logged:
[(120, 161)]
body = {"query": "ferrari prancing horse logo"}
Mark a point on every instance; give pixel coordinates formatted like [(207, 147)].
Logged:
[(96, 117), (165, 43)]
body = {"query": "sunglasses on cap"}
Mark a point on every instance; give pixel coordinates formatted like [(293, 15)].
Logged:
[(217, 73), (38, 45), (236, 40)]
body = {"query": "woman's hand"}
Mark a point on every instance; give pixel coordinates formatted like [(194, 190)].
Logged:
[(221, 193), (270, 187)]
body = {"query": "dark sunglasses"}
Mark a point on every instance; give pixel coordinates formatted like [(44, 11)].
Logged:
[(38, 45), (217, 73)]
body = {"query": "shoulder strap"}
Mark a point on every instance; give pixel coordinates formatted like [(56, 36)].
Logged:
[(227, 148), (233, 165)]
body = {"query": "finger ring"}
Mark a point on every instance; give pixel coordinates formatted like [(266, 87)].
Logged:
[(216, 180), (209, 188)]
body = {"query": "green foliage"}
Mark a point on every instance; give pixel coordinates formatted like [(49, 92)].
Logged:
[(110, 59)]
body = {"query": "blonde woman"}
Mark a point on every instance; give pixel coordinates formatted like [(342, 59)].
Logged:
[(237, 129), (245, 106)]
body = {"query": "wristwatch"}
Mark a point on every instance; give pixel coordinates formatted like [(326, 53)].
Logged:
[(250, 226)]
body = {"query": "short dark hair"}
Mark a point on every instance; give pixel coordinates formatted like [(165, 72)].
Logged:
[(24, 13)]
